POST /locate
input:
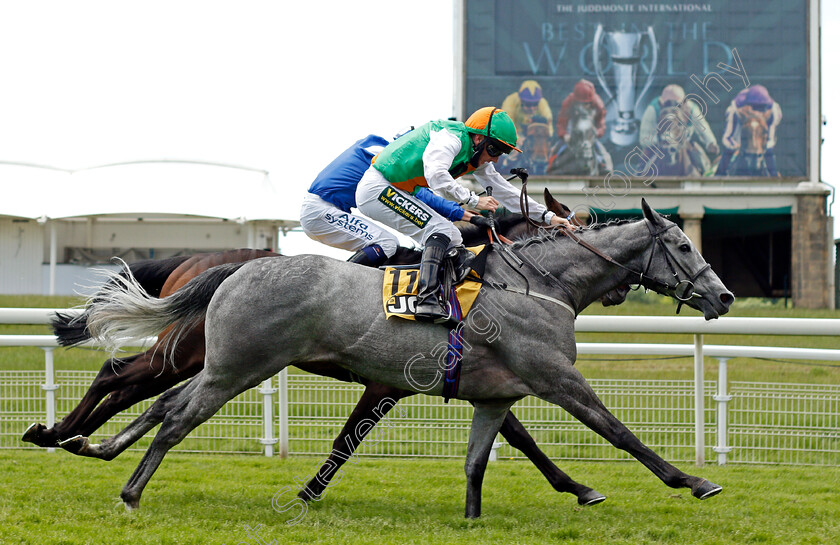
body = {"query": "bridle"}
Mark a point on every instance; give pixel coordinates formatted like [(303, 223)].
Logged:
[(683, 289)]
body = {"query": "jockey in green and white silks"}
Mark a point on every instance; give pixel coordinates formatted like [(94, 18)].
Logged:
[(326, 214), (433, 155)]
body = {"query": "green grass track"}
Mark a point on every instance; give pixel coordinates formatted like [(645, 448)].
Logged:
[(202, 499)]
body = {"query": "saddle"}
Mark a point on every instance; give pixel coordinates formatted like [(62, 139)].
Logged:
[(460, 273)]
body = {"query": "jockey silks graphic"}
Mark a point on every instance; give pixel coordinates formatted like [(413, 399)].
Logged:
[(405, 207), (349, 223)]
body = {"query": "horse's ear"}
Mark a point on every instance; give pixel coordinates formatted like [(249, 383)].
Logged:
[(550, 203), (555, 206), (650, 214)]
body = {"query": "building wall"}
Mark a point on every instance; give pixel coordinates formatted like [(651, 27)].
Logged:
[(107, 235), (811, 252), (86, 244), (21, 243)]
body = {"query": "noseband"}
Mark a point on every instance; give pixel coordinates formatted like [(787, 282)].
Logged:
[(683, 290)]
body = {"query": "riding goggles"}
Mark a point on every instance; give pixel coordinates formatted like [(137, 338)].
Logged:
[(495, 148)]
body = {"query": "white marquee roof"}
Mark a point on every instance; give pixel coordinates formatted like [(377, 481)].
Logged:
[(143, 188)]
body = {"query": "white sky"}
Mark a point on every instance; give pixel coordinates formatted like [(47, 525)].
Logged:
[(272, 84)]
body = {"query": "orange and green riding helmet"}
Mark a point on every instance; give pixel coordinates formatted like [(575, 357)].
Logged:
[(495, 124)]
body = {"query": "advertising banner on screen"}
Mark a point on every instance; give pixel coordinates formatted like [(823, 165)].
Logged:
[(711, 89)]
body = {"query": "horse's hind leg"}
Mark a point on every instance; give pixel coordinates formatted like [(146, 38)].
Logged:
[(487, 419), (124, 383), (376, 401), (519, 438), (110, 448), (588, 408), (106, 381), (200, 399), (148, 379)]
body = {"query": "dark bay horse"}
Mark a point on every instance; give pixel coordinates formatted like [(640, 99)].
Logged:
[(517, 342), (125, 381)]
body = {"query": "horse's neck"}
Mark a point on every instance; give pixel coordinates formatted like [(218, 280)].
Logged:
[(584, 276)]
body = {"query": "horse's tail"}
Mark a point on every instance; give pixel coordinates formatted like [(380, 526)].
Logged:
[(71, 329), (122, 313)]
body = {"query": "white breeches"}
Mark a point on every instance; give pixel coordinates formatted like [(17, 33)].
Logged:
[(393, 207), (326, 223)]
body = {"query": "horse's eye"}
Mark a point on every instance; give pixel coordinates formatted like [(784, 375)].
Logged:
[(685, 248)]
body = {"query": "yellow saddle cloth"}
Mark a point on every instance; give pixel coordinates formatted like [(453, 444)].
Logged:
[(399, 291)]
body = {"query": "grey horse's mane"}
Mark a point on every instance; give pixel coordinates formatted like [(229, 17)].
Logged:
[(551, 234), (601, 225)]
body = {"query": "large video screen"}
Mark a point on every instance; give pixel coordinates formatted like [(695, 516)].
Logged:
[(676, 89)]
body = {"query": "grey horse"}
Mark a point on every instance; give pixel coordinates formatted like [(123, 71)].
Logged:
[(519, 340)]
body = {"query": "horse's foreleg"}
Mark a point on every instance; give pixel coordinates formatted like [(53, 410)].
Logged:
[(486, 421), (375, 402), (577, 397), (519, 438)]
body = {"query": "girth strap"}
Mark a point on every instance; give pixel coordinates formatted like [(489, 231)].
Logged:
[(452, 377)]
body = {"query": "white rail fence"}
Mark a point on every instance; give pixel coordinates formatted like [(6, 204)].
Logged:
[(683, 420)]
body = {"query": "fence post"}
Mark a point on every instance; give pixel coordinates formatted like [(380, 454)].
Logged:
[(268, 419), (494, 449), (722, 399), (699, 416), (283, 413), (49, 387)]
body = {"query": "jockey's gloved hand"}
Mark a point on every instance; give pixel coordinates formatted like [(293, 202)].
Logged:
[(481, 221)]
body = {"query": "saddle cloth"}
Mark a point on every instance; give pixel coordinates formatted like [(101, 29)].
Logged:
[(399, 288)]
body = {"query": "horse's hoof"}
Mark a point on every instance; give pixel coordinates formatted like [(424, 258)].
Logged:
[(131, 503), (32, 432), (306, 495), (706, 489), (591, 498), (40, 435), (75, 444)]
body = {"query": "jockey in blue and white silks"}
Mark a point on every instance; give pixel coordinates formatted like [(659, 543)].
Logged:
[(758, 99), (326, 216)]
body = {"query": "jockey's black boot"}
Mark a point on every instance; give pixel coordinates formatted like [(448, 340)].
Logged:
[(369, 256), (430, 307), (462, 260)]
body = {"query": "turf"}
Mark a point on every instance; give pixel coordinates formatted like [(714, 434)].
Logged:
[(60, 499)]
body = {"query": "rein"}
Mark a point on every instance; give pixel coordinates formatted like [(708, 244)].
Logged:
[(507, 251), (683, 290)]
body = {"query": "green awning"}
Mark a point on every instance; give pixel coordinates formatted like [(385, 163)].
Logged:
[(780, 211)]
